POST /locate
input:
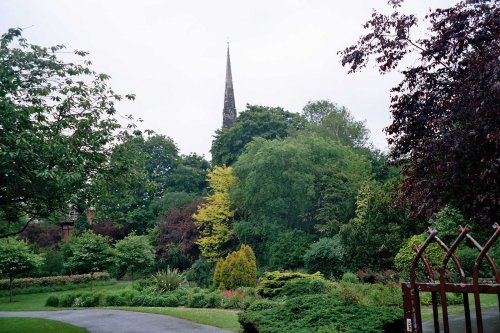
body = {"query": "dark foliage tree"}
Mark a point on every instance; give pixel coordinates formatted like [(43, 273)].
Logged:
[(56, 124), (445, 131), (256, 121), (43, 236), (110, 229), (178, 236)]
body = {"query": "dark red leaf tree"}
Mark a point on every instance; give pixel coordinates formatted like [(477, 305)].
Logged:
[(445, 132), (179, 233)]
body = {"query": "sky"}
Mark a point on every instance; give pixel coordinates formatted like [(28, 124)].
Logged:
[(172, 56)]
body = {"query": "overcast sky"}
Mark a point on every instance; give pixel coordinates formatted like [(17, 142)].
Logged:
[(172, 55)]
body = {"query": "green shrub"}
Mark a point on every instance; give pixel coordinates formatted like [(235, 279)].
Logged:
[(87, 300), (325, 256), (67, 300), (143, 284), (129, 295), (309, 313), (288, 248), (404, 258), (350, 293), (169, 279), (350, 277), (238, 269), (213, 300), (115, 300), (181, 295), (197, 300), (304, 287), (273, 282), (200, 273), (52, 301), (138, 300)]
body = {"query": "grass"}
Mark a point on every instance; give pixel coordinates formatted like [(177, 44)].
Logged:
[(36, 302), (487, 301), (22, 325), (225, 319)]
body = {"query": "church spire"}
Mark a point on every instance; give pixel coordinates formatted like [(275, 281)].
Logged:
[(229, 111)]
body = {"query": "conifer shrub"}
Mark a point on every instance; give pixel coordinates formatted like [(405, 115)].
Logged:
[(304, 287), (310, 313), (273, 282), (238, 269)]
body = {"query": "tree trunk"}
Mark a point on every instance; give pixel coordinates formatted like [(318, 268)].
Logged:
[(10, 288)]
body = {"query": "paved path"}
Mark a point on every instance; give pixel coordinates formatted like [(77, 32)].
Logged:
[(491, 322), (112, 321)]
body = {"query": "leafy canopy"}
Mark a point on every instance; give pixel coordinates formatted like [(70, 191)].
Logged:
[(445, 129), (57, 120), (88, 253), (257, 121)]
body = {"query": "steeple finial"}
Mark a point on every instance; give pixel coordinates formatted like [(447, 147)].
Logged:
[(229, 111)]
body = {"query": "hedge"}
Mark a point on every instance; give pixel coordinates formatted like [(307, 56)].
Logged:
[(48, 281)]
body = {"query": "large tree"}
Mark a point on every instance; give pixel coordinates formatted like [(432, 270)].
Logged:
[(145, 178), (445, 131), (56, 123), (336, 122), (256, 121)]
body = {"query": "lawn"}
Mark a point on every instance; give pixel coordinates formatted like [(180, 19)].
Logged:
[(23, 325), (35, 302), (225, 319), (487, 301)]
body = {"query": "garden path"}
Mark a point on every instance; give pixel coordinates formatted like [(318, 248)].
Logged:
[(491, 322), (112, 321)]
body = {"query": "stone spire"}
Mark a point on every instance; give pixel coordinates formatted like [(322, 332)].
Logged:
[(229, 111)]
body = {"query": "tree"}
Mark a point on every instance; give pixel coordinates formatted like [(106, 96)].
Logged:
[(256, 121), (88, 253), (178, 236), (15, 259), (142, 176), (445, 129), (134, 254), (190, 175), (171, 200), (374, 235), (335, 122), (283, 181), (56, 125), (214, 217)]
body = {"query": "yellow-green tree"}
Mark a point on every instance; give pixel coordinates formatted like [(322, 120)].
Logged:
[(238, 269), (214, 217)]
